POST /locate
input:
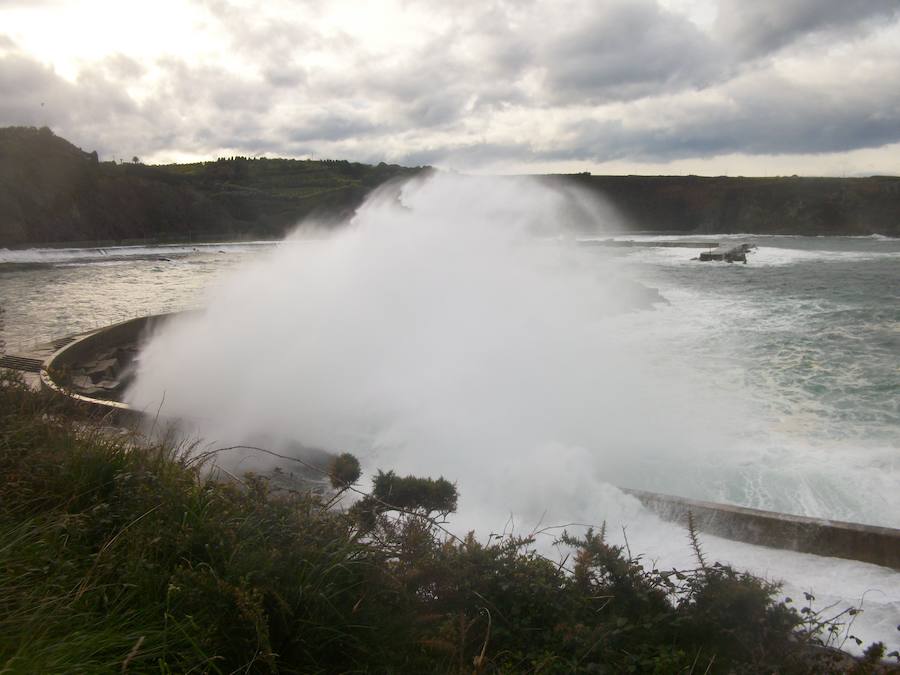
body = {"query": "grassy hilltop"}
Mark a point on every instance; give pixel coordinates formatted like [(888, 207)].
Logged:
[(53, 192)]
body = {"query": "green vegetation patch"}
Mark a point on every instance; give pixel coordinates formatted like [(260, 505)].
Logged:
[(118, 557)]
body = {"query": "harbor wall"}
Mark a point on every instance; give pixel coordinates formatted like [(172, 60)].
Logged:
[(854, 541)]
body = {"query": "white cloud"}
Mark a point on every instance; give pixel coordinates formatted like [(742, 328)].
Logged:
[(490, 85)]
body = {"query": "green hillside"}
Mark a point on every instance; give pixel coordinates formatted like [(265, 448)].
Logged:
[(52, 191)]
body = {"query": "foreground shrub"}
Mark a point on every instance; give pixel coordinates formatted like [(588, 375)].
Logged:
[(119, 558)]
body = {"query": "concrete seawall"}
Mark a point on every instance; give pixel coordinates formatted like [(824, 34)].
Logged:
[(85, 347), (866, 543)]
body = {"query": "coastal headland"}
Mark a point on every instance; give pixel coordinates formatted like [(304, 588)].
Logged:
[(52, 192)]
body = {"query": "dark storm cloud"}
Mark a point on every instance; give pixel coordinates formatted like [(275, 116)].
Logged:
[(761, 26), (475, 60), (764, 115), (329, 126), (428, 87), (626, 50), (213, 88)]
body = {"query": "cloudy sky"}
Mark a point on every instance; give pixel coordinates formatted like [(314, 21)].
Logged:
[(738, 87)]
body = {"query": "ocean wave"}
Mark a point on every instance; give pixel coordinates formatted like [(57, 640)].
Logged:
[(773, 256), (729, 236), (39, 256)]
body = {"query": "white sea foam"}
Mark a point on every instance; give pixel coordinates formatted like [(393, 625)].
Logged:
[(443, 326), (762, 255)]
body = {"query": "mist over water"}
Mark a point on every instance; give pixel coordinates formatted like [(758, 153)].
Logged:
[(453, 328), (456, 327)]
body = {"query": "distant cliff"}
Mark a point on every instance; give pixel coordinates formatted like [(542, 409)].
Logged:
[(783, 205), (51, 191)]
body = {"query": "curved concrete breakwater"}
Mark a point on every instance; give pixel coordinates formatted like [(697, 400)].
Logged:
[(94, 368)]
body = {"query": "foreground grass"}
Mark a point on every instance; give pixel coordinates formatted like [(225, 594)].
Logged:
[(121, 560)]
